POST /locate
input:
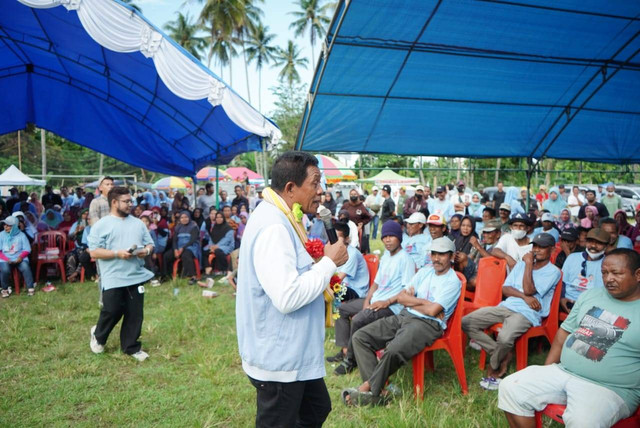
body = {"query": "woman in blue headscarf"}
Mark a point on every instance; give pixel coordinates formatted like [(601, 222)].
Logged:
[(163, 199), (50, 220), (14, 252), (186, 247), (511, 198), (555, 204), (476, 207)]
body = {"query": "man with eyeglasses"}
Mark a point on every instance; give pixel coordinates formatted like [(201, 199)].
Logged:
[(120, 242), (582, 271)]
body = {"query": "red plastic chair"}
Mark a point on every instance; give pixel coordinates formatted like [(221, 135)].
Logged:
[(491, 275), (451, 342), (373, 262), (177, 262), (212, 257), (16, 279), (51, 246), (555, 412), (554, 254), (70, 244), (548, 329)]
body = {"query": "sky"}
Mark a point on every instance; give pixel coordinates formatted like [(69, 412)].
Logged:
[(276, 17)]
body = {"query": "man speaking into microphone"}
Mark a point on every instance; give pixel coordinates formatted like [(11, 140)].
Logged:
[(279, 303)]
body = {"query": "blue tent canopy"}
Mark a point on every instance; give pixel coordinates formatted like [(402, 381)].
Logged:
[(485, 78), (99, 74)]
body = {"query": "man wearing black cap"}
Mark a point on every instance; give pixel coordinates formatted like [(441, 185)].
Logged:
[(569, 244), (416, 203), (582, 271), (388, 206), (528, 290), (514, 245)]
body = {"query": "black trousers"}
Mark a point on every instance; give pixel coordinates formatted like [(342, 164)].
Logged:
[(188, 264), (220, 261), (127, 303), (295, 404)]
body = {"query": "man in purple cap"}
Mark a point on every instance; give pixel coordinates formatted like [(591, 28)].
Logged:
[(395, 271), (528, 290)]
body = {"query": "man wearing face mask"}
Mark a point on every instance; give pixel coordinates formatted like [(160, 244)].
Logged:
[(416, 203), (582, 271), (611, 200), (461, 200), (514, 245)]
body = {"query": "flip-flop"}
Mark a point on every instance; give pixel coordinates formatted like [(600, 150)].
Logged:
[(347, 393), (358, 398)]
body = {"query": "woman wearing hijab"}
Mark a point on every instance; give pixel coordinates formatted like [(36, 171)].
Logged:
[(221, 238), (87, 200), (244, 218), (475, 207), (330, 203), (50, 220), (186, 247), (564, 220), (66, 222), (33, 198), (512, 198), (467, 230), (176, 205), (624, 228), (28, 224), (14, 252), (162, 199), (454, 226), (554, 204), (197, 217), (592, 219), (77, 228)]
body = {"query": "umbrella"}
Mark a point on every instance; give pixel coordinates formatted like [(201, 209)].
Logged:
[(208, 173), (171, 183), (237, 173), (334, 170), (390, 177)]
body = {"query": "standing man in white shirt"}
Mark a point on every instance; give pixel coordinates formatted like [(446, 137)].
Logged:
[(280, 303)]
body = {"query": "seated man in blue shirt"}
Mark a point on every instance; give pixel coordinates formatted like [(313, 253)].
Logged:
[(547, 226), (529, 290), (429, 300), (583, 271), (395, 271), (609, 225)]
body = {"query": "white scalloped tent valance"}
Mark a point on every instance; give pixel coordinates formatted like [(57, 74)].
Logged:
[(117, 28)]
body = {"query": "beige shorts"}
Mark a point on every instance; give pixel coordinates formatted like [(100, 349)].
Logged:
[(588, 404)]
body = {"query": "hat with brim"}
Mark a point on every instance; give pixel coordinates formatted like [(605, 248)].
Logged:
[(600, 235), (492, 225), (505, 206), (519, 218), (416, 218), (436, 219), (443, 245), (544, 240)]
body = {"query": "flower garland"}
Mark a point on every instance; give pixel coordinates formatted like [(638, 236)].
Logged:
[(315, 248)]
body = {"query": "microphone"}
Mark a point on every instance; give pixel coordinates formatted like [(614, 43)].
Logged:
[(325, 216)]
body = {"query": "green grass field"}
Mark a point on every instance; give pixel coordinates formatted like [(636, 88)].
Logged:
[(193, 377)]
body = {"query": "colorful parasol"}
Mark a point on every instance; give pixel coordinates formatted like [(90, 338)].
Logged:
[(171, 183), (208, 173), (237, 174), (334, 170)]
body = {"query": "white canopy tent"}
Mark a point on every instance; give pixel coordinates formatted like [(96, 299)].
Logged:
[(14, 177)]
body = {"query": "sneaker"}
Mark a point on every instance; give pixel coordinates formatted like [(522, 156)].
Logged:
[(140, 355), (5, 294), (49, 288), (344, 368), (206, 284), (31, 291), (336, 358), (155, 283), (490, 383), (96, 348), (474, 345)]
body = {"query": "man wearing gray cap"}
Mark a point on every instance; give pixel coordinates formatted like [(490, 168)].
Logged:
[(528, 290), (429, 300), (490, 237)]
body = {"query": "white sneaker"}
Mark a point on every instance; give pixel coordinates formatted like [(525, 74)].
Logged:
[(155, 283), (474, 345), (140, 355), (96, 348)]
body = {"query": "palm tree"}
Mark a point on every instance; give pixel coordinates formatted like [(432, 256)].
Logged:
[(220, 19), (312, 16), (260, 50), (249, 19), (289, 59), (184, 33)]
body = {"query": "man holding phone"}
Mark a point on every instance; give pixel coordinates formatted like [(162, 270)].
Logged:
[(120, 242)]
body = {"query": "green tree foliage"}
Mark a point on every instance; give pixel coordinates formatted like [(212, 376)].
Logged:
[(184, 32), (289, 59), (311, 16)]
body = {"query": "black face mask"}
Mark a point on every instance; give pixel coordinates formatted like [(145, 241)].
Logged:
[(460, 189), (418, 196), (353, 198)]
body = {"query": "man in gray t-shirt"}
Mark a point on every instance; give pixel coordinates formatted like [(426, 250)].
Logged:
[(208, 199)]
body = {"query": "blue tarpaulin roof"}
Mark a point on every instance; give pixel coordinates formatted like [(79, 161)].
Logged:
[(479, 78), (99, 74)]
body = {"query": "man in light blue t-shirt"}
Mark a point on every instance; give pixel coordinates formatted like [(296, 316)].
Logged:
[(120, 242), (395, 271), (583, 271), (528, 290), (429, 300)]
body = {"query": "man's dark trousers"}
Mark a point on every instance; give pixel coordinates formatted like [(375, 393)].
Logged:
[(295, 404), (121, 302)]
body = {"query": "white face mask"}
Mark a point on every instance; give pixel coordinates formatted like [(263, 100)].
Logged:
[(611, 193), (595, 255), (518, 234)]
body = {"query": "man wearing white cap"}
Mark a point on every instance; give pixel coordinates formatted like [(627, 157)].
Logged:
[(547, 226), (416, 242), (429, 300), (416, 203)]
